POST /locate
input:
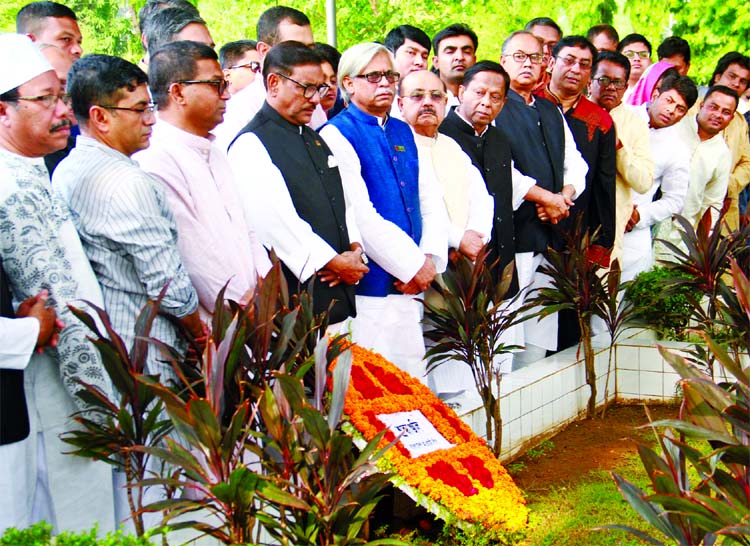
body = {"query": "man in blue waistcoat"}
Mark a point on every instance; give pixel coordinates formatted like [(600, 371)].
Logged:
[(379, 163)]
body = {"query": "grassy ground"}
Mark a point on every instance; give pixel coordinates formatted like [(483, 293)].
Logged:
[(567, 515)]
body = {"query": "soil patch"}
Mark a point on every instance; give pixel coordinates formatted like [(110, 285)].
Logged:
[(586, 445)]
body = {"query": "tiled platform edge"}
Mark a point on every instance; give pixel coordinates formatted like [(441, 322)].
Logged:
[(538, 400)]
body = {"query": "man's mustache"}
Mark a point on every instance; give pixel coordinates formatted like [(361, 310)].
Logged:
[(63, 123)]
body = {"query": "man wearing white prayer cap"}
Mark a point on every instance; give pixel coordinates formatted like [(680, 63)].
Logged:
[(40, 249)]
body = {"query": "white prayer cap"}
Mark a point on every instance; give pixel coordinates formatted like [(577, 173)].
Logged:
[(21, 61)]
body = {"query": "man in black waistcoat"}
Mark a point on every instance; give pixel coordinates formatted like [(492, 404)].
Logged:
[(543, 148), (298, 199), (482, 97)]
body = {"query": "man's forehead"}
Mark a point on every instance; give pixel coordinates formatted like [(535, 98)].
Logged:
[(487, 78), (287, 30), (635, 46), (44, 83), (548, 34), (526, 42), (674, 95), (424, 79), (609, 67), (309, 71), (737, 69), (455, 41), (411, 44), (720, 99), (575, 51)]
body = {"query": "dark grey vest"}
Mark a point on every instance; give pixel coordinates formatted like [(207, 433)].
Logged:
[(490, 153), (318, 196), (537, 140)]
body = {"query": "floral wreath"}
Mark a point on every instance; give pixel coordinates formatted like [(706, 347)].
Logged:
[(464, 483)]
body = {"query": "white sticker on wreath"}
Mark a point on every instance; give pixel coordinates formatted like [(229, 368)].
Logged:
[(415, 432)]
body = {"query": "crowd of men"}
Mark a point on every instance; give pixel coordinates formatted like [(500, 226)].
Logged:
[(365, 172)]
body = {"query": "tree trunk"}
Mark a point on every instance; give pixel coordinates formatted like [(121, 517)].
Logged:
[(498, 418), (588, 358)]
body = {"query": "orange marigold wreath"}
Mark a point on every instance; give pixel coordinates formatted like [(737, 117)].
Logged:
[(465, 480)]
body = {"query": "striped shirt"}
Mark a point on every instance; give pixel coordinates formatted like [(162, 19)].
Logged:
[(130, 237)]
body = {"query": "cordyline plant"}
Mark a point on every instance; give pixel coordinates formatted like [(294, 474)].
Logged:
[(113, 427), (711, 439), (467, 328), (702, 262), (227, 450), (581, 282)]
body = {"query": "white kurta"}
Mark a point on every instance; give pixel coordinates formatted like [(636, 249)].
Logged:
[(391, 325), (266, 200), (41, 249), (671, 175), (710, 167)]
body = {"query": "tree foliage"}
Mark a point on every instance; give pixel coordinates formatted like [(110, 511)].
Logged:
[(712, 27)]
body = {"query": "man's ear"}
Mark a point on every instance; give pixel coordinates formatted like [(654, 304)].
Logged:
[(461, 91), (175, 93), (98, 118), (262, 48), (655, 94)]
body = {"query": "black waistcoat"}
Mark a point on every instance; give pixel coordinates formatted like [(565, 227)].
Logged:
[(318, 196), (537, 140), (491, 154), (14, 416)]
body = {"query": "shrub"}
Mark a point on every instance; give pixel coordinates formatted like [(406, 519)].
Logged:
[(40, 534), (667, 313)]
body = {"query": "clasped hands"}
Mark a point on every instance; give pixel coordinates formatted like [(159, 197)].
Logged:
[(555, 206)]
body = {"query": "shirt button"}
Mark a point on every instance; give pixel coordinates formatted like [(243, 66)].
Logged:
[(395, 159), (403, 184), (408, 209)]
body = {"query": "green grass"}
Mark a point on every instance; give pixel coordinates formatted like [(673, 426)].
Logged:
[(567, 515)]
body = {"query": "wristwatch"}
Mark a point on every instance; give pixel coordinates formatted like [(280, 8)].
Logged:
[(363, 257)]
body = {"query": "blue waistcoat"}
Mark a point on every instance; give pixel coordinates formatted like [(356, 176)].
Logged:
[(390, 169)]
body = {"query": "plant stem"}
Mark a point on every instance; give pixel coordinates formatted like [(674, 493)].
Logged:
[(588, 358)]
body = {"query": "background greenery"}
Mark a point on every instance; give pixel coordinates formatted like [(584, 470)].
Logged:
[(712, 27)]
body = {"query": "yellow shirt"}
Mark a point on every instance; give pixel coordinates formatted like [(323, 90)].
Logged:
[(635, 167)]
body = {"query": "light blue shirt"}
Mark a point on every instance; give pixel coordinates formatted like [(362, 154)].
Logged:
[(130, 237)]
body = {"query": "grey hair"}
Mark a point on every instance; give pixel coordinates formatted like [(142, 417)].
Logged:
[(355, 59), (507, 41)]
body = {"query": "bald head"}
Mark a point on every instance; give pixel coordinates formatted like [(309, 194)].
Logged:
[(422, 99)]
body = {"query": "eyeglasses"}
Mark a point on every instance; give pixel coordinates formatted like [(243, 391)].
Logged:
[(149, 109), (633, 54), (252, 65), (309, 90), (585, 64), (48, 101), (376, 77), (521, 56), (419, 95), (221, 85), (604, 81)]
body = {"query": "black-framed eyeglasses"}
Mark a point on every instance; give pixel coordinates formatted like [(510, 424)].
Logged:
[(252, 65), (48, 101), (521, 56), (221, 85), (376, 77), (309, 90), (419, 95), (604, 81), (150, 108)]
